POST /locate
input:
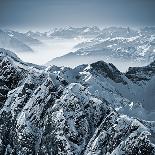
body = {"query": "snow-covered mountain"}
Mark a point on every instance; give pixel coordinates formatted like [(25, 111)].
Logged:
[(72, 32), (11, 42), (114, 45), (145, 78), (17, 41), (80, 111), (66, 33), (128, 93), (23, 37), (37, 35)]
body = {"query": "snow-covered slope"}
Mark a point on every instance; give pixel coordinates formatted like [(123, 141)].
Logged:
[(37, 35), (113, 45), (145, 78), (56, 111), (12, 70), (121, 90), (10, 42), (23, 37)]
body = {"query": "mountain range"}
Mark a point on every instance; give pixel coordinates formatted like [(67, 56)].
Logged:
[(92, 109), (66, 33), (132, 47), (115, 45)]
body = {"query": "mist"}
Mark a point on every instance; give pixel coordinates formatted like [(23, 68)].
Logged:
[(48, 50)]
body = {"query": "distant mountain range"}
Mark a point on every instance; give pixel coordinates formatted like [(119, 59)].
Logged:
[(24, 42), (66, 33), (87, 110), (16, 41), (113, 45)]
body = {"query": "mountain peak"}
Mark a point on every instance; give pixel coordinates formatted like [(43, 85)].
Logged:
[(152, 64), (7, 53), (108, 70)]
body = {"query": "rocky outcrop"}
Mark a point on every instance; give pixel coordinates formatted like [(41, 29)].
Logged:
[(138, 74), (109, 71)]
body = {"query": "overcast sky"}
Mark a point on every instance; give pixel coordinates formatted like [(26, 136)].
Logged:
[(45, 14)]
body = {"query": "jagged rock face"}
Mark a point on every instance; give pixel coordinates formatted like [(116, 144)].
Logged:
[(119, 135), (138, 74), (144, 78), (12, 72), (10, 76), (44, 113), (23, 113), (108, 70), (73, 120), (105, 81)]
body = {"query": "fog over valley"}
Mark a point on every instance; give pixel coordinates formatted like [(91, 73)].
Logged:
[(50, 49)]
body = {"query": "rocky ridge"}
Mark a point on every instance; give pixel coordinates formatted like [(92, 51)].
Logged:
[(51, 111)]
